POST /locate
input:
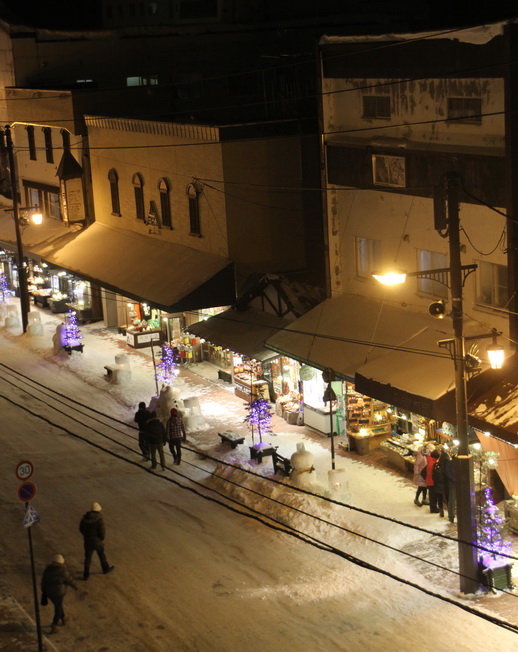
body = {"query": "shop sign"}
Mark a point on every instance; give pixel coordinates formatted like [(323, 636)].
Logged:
[(306, 372)]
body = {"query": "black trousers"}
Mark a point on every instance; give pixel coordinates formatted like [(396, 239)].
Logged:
[(143, 445), (420, 490), (175, 446), (59, 613), (90, 548)]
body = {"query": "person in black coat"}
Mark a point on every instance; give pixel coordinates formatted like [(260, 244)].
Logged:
[(439, 481), (449, 479), (156, 437), (54, 584), (93, 531), (142, 416)]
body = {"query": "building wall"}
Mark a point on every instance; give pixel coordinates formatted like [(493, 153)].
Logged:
[(156, 151), (402, 219)]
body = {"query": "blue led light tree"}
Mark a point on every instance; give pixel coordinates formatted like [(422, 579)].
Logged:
[(496, 569), (260, 417), (5, 293), (167, 370), (72, 336)]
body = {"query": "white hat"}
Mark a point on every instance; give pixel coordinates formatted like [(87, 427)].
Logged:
[(96, 507), (58, 559)]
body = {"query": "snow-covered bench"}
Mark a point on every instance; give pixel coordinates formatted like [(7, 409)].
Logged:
[(231, 437)]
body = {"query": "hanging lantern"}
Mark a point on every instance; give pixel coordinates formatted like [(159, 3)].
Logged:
[(495, 353)]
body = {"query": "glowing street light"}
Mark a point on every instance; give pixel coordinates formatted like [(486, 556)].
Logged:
[(391, 278)]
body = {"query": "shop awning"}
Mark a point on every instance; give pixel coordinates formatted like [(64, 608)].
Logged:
[(166, 275), (390, 353), (241, 331)]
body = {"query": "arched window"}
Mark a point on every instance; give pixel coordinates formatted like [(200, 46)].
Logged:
[(138, 187), (164, 189), (113, 178), (193, 193)]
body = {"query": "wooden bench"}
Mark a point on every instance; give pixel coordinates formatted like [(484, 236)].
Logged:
[(281, 464), (231, 438)]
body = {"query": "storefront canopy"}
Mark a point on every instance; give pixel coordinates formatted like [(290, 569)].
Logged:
[(389, 352), (166, 275), (242, 331)]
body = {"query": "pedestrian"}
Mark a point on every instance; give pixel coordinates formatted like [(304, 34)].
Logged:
[(175, 430), (431, 462), (449, 479), (439, 482), (93, 530), (156, 437), (54, 584), (419, 477), (141, 417)]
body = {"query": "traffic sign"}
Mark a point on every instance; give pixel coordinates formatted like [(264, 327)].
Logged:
[(31, 516), (26, 491), (24, 470)]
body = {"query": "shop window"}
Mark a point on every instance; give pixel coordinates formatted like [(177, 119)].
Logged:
[(193, 194), (376, 106), (465, 109), (138, 187), (113, 178), (65, 138), (492, 287), (31, 142), (49, 152), (165, 202), (431, 260), (388, 171), (368, 257)]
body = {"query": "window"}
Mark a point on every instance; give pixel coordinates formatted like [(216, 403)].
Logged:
[(368, 256), (65, 138), (138, 187), (139, 80), (492, 285), (388, 170), (45, 197), (49, 153), (31, 142), (165, 202), (376, 106), (465, 109), (193, 193), (113, 178), (431, 260)]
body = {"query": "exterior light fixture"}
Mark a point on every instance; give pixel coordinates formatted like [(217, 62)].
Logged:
[(36, 218), (477, 446), (456, 442), (495, 354), (390, 278)]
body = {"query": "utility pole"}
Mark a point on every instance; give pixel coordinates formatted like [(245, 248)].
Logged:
[(466, 508), (22, 275)]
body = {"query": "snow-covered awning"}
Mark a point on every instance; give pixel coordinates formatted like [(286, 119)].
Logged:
[(244, 332), (164, 274), (390, 353)]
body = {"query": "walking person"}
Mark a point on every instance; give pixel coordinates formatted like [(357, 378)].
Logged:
[(93, 530), (54, 583), (156, 437), (175, 430), (449, 480), (439, 482), (419, 476), (142, 416), (432, 495)]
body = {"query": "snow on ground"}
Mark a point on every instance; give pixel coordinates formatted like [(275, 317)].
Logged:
[(189, 574)]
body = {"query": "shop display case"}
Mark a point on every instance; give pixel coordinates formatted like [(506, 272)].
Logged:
[(249, 389), (400, 453), (369, 422), (140, 339)]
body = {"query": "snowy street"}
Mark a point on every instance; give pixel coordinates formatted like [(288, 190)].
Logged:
[(193, 570)]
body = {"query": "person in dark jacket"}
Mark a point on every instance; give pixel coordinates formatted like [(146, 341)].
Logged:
[(175, 430), (449, 479), (93, 531), (439, 481), (142, 416), (156, 437), (54, 584), (432, 495)]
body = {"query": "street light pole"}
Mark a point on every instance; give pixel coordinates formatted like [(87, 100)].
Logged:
[(466, 509), (22, 276)]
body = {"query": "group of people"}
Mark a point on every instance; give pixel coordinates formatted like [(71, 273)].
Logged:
[(56, 577), (434, 476), (153, 435)]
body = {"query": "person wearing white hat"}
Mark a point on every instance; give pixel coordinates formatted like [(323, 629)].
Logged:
[(93, 530), (54, 586)]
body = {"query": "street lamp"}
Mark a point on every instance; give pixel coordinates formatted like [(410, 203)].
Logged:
[(36, 218), (454, 277)]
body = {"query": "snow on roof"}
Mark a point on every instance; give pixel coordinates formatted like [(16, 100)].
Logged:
[(478, 35)]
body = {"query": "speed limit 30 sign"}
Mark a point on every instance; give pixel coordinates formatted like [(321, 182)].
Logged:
[(24, 470)]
